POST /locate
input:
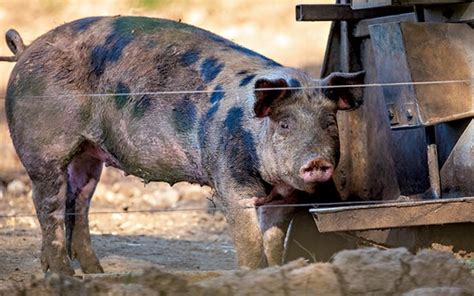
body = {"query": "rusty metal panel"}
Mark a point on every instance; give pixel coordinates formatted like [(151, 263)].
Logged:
[(457, 173), (437, 52), (392, 66), (421, 52), (409, 153), (365, 134), (366, 169), (395, 214)]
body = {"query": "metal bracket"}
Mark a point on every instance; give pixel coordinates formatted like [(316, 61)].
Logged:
[(342, 12)]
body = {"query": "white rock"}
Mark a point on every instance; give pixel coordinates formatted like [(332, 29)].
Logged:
[(16, 187)]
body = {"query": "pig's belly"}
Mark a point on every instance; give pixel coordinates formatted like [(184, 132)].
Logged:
[(167, 161)]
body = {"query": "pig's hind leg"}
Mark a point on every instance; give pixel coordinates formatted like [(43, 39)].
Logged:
[(83, 175), (49, 196)]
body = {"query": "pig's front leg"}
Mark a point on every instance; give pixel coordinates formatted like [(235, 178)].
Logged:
[(274, 222), (240, 213)]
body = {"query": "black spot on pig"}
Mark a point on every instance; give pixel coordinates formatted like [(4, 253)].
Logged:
[(190, 57), (204, 124), (141, 106), (83, 24), (121, 95), (184, 115), (217, 94), (239, 146), (98, 59), (294, 83), (111, 51), (246, 80), (124, 31), (210, 68)]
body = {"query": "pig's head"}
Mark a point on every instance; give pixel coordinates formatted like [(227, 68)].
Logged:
[(299, 144)]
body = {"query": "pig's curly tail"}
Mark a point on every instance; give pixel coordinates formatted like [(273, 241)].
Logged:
[(16, 45)]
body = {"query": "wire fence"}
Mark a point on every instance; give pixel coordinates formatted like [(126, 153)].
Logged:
[(221, 208), (265, 206), (184, 92)]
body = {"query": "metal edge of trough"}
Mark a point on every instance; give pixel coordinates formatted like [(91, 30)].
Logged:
[(394, 214)]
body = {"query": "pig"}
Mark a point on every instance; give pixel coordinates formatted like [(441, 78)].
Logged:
[(255, 131)]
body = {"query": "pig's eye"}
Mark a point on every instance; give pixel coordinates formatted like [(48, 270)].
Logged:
[(331, 121), (284, 124)]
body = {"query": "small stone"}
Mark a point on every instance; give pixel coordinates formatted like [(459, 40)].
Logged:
[(16, 187), (437, 291)]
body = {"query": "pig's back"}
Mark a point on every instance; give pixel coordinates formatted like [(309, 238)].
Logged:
[(89, 53)]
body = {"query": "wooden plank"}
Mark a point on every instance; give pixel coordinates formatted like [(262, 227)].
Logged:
[(342, 12), (364, 4), (396, 214)]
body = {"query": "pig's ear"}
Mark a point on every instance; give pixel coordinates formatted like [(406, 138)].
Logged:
[(346, 97), (267, 93)]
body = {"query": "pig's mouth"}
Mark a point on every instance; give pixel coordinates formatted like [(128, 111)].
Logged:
[(317, 170)]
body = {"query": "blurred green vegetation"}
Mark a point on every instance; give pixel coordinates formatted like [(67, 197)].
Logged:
[(470, 263), (149, 3)]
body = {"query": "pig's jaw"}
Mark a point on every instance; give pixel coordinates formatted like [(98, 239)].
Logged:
[(287, 186)]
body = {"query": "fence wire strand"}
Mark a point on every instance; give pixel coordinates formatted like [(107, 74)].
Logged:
[(320, 87), (190, 209)]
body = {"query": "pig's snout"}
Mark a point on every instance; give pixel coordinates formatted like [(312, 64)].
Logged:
[(316, 170)]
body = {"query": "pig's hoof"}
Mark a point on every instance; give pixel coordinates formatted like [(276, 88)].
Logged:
[(88, 261), (56, 265), (60, 269), (92, 268)]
